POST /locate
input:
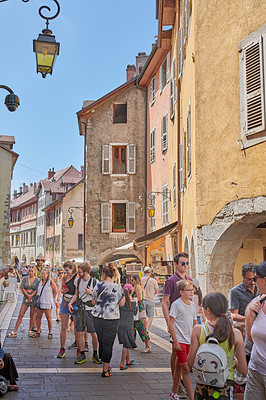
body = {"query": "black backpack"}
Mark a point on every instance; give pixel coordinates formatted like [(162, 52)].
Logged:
[(87, 303)]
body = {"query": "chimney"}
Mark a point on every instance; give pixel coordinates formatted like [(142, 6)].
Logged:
[(31, 184), (20, 190), (35, 187), (51, 173), (25, 188), (131, 71), (15, 194), (82, 171), (141, 59)]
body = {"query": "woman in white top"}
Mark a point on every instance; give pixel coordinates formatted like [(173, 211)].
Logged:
[(256, 330), (47, 292)]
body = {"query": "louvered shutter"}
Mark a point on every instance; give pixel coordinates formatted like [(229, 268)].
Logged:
[(167, 67), (105, 218), (106, 159), (164, 134), (160, 79), (254, 88), (131, 159), (131, 217), (181, 166), (180, 51), (152, 145), (174, 185), (189, 142), (172, 108), (174, 80), (185, 20)]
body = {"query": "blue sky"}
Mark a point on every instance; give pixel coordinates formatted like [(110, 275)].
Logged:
[(97, 41)]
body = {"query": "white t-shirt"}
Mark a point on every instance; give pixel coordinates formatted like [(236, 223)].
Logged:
[(184, 315), (82, 286)]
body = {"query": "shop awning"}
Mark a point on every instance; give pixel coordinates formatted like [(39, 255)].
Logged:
[(168, 229)]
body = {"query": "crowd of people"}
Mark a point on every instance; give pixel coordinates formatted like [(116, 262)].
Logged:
[(224, 344)]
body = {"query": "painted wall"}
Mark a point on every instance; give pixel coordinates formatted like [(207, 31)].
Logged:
[(5, 186)]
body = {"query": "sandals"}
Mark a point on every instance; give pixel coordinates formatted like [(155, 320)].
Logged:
[(31, 333), (131, 362), (12, 334), (147, 350), (50, 336), (14, 388), (35, 335), (106, 374), (123, 368)]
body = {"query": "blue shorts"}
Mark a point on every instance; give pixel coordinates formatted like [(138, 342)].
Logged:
[(64, 307)]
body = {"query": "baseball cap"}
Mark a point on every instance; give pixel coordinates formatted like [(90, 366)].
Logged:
[(147, 269)]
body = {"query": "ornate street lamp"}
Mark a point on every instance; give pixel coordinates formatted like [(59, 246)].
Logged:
[(71, 219), (11, 100), (151, 208), (46, 47)]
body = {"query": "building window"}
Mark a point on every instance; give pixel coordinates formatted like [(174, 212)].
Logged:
[(80, 241), (252, 88), (152, 145), (153, 219), (153, 91), (165, 205), (174, 185), (119, 159), (118, 217), (164, 73), (164, 132), (120, 113)]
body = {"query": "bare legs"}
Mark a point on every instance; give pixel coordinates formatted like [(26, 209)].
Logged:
[(22, 312), (64, 328), (125, 360), (57, 310), (48, 314)]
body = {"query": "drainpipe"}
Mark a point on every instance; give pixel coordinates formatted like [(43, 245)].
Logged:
[(179, 225), (85, 189)]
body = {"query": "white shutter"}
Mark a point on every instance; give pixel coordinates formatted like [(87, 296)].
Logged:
[(189, 141), (105, 218), (174, 185), (106, 159), (160, 79), (152, 145), (153, 90), (254, 88), (131, 159), (164, 132), (174, 80), (131, 217), (185, 20), (172, 108), (167, 67), (180, 51), (181, 166)]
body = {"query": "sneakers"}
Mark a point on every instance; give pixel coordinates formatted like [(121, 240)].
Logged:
[(73, 346), (81, 359), (86, 347), (96, 359), (78, 353), (174, 396), (61, 353)]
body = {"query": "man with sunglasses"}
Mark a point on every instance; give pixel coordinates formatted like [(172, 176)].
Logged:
[(241, 295), (170, 294)]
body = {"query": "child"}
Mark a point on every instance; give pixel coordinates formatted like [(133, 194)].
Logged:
[(182, 318), (197, 300), (239, 379), (126, 327)]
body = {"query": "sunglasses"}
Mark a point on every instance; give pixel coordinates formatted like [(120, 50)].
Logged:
[(258, 276), (60, 273), (183, 263)]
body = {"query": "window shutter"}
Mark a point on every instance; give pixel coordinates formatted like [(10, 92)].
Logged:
[(181, 166), (172, 108), (189, 142), (153, 90), (167, 67), (253, 88), (105, 218), (160, 79), (180, 51), (174, 80), (174, 185), (131, 159), (106, 159), (164, 132), (185, 20), (152, 145), (131, 217)]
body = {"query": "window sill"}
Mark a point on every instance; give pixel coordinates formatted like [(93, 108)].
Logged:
[(119, 175), (120, 234)]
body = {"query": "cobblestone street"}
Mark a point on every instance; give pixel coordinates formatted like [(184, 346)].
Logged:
[(42, 375)]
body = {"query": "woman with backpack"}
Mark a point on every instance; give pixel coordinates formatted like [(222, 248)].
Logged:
[(230, 342)]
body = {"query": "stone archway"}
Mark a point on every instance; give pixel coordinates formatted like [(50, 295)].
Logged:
[(218, 244), (116, 254)]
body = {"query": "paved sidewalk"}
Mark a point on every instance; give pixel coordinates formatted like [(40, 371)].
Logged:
[(42, 375)]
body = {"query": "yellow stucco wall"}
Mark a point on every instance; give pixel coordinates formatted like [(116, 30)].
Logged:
[(219, 158)]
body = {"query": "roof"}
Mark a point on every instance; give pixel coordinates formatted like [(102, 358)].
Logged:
[(150, 237), (7, 139), (60, 198), (55, 184), (27, 197), (84, 111), (14, 155)]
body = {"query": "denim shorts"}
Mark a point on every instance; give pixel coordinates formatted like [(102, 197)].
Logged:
[(64, 307)]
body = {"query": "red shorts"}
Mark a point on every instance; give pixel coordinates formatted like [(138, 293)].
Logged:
[(182, 355)]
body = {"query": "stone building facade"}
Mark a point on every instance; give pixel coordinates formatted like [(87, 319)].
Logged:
[(115, 208)]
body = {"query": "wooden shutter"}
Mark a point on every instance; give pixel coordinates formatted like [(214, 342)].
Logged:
[(189, 142), (152, 145), (254, 88), (185, 22), (131, 159), (181, 166), (164, 130), (160, 79), (180, 51), (153, 90), (131, 217), (172, 108), (105, 218), (174, 185), (168, 67), (106, 159), (174, 80)]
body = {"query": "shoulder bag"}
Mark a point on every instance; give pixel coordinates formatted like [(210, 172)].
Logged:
[(37, 301)]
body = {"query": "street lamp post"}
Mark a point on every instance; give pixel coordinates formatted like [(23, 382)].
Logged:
[(11, 100), (71, 219), (151, 208)]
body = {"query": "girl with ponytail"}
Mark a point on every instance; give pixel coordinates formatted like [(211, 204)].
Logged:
[(218, 326)]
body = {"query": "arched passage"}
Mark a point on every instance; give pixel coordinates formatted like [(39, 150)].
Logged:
[(116, 254), (220, 242)]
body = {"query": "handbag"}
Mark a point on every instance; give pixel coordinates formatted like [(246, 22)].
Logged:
[(37, 301)]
